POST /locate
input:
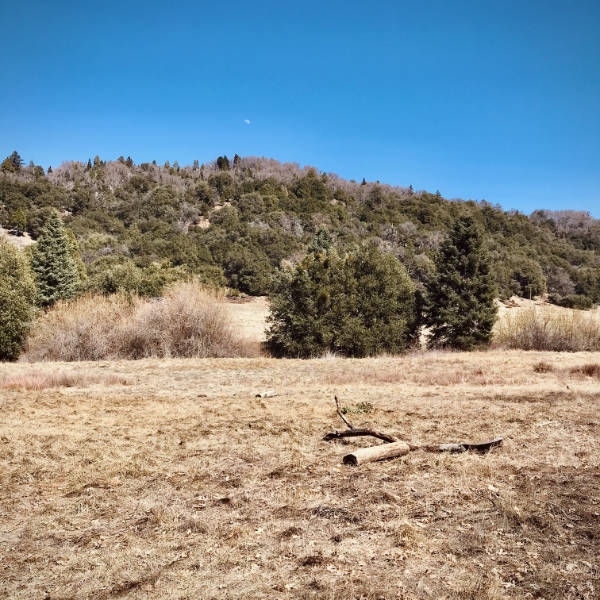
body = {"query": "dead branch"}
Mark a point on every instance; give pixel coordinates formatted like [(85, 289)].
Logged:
[(336, 435), (393, 446), (341, 414)]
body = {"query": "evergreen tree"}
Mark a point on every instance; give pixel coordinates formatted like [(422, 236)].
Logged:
[(359, 305), (49, 170), (237, 159), (322, 241), (223, 163), (53, 263), (19, 221), (17, 301), (16, 160), (89, 165), (7, 165), (129, 162), (460, 307)]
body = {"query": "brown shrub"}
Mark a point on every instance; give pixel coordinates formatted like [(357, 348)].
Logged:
[(543, 367), (189, 321), (564, 331), (589, 370), (84, 329)]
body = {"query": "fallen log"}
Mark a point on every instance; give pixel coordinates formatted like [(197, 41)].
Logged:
[(394, 446), (381, 452)]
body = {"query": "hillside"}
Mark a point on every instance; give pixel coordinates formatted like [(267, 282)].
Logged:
[(236, 222)]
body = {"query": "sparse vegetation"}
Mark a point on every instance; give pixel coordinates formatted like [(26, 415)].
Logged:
[(360, 408), (45, 379), (589, 370)]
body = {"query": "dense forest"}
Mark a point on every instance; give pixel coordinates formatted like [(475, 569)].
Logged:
[(236, 221)]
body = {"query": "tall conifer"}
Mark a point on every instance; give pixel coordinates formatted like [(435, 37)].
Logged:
[(460, 308), (53, 264)]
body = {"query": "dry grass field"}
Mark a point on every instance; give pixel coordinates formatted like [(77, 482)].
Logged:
[(248, 316), (170, 479)]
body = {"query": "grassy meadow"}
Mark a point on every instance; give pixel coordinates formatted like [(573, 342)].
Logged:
[(169, 478)]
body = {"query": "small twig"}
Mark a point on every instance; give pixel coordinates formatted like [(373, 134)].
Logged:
[(339, 412)]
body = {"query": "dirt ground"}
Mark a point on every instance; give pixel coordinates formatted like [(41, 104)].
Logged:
[(170, 479)]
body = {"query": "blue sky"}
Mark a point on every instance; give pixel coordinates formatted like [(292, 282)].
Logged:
[(485, 100)]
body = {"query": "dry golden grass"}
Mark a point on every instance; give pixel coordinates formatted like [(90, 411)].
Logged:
[(36, 379), (182, 484), (248, 316), (547, 327)]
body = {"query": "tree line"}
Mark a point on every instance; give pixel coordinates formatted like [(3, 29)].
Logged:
[(355, 303)]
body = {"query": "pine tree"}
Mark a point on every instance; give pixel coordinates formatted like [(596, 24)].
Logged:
[(17, 301), (223, 163), (18, 221), (16, 160), (358, 305), (74, 249), (53, 264), (322, 242), (460, 307), (237, 159)]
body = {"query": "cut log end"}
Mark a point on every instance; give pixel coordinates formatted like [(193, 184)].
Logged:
[(365, 455)]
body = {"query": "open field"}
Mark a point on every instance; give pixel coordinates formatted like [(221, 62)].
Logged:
[(169, 479), (249, 315)]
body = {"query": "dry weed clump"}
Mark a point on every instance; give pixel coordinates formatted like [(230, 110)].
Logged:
[(589, 370), (41, 380), (189, 321), (84, 329), (564, 331)]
